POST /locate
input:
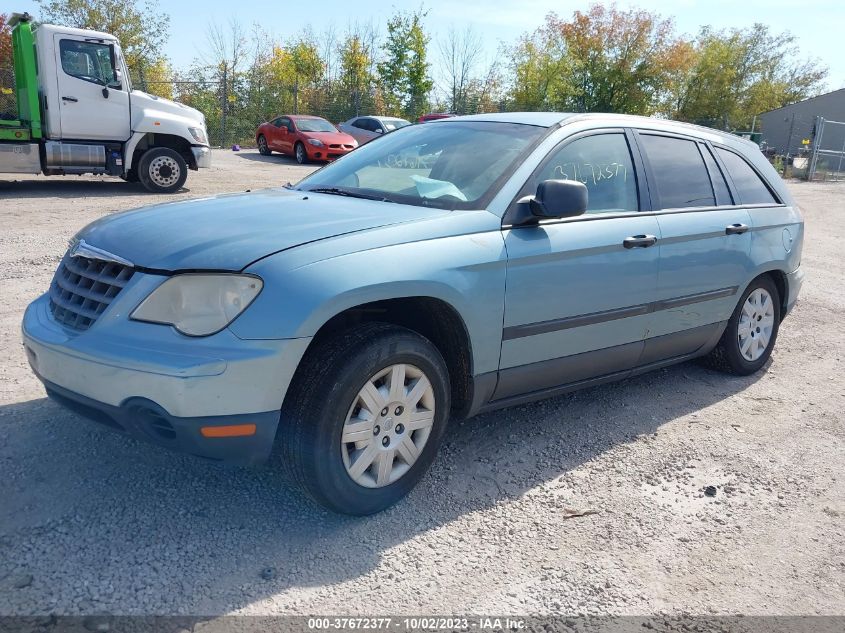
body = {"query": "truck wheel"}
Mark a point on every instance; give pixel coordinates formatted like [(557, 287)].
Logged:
[(162, 170), (751, 331), (263, 148), (364, 418)]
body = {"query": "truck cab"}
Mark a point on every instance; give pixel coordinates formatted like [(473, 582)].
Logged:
[(78, 113)]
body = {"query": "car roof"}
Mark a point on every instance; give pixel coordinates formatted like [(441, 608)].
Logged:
[(303, 116), (550, 119)]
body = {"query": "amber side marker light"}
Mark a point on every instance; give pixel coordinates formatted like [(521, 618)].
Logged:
[(234, 430)]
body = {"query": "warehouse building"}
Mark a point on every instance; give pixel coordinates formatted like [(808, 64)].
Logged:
[(790, 128)]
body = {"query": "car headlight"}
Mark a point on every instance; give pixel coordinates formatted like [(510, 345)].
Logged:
[(199, 135), (199, 304), (316, 142)]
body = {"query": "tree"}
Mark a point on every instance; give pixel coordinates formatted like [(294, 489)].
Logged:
[(142, 29), (541, 70), (737, 73), (460, 52), (620, 60), (5, 43), (404, 71)]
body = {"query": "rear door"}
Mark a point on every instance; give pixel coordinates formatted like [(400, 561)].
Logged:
[(578, 289), (94, 104), (705, 246)]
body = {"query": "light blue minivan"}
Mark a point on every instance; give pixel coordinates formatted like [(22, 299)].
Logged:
[(334, 327)]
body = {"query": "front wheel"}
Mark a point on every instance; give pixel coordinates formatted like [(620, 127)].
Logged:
[(263, 148), (162, 170), (300, 153), (751, 332), (364, 418)]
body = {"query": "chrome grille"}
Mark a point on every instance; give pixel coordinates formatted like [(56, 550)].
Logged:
[(82, 289)]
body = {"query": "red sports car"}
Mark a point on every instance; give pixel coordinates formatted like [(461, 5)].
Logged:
[(304, 137)]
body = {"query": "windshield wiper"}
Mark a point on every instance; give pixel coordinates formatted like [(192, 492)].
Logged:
[(337, 191)]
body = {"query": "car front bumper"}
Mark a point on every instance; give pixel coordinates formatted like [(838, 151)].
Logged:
[(161, 387), (325, 152)]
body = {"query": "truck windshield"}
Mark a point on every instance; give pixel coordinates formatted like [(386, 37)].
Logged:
[(452, 165)]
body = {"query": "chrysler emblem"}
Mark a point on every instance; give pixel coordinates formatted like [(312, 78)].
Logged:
[(79, 248)]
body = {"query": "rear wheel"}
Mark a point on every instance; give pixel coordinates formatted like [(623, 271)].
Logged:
[(300, 153), (162, 170), (751, 332), (364, 418), (263, 148)]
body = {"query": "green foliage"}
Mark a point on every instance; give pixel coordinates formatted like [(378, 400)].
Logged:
[(404, 72), (738, 73), (141, 29)]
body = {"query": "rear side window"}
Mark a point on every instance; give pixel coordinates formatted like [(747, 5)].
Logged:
[(749, 186), (720, 187), (603, 163), (678, 169)]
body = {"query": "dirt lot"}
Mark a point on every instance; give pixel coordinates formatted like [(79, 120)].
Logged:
[(91, 522)]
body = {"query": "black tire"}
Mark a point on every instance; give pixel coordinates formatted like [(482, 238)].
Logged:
[(308, 443), (300, 154), (727, 356), (162, 170), (263, 148)]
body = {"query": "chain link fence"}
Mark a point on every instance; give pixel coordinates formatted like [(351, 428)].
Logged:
[(234, 109), (8, 101), (826, 160)]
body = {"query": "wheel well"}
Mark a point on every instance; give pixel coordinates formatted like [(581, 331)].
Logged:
[(779, 279), (432, 318), (176, 143)]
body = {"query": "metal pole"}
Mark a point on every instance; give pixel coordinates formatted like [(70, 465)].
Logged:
[(788, 144), (296, 95), (225, 105), (753, 124), (817, 142)]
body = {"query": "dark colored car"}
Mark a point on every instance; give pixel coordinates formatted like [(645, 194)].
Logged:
[(304, 137)]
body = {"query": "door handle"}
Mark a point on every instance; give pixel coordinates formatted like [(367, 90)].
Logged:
[(639, 241), (736, 229), (74, 99)]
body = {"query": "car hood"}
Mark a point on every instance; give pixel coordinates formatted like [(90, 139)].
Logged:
[(229, 232)]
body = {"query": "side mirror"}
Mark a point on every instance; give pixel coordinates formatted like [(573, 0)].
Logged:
[(559, 199), (378, 130)]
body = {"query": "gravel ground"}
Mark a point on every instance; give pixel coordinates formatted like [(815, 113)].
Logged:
[(91, 522)]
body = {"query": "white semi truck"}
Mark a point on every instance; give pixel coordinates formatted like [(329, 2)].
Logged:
[(78, 114)]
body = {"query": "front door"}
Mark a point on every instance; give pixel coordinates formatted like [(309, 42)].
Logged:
[(705, 246), (94, 102), (577, 302)]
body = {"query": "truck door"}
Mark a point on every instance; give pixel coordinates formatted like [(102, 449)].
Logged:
[(93, 99)]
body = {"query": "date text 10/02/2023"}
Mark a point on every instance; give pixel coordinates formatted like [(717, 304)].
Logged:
[(417, 623)]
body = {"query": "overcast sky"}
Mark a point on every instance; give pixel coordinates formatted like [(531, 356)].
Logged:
[(818, 24)]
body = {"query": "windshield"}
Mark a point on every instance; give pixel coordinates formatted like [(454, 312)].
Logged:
[(394, 124), (314, 125), (454, 165)]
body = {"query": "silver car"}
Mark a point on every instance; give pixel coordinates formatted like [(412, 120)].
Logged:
[(365, 128)]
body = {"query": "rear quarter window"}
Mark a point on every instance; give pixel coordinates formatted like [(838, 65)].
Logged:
[(750, 188)]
